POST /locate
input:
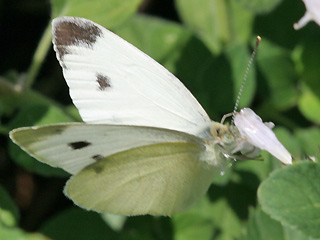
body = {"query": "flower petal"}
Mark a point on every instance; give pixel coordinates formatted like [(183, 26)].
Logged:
[(312, 13), (254, 131)]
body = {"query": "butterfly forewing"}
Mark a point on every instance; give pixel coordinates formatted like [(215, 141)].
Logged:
[(73, 146), (113, 82)]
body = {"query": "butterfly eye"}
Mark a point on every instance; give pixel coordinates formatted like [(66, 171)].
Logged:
[(218, 130), (224, 134)]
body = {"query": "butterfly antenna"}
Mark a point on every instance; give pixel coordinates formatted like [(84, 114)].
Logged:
[(245, 78)]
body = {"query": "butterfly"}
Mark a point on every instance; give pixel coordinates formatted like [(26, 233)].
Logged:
[(146, 145)]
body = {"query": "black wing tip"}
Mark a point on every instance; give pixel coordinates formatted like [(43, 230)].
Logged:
[(73, 31)]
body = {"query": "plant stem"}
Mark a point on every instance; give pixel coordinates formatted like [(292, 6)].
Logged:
[(38, 57)]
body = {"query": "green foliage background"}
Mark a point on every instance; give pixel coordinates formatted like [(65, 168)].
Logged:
[(207, 44)]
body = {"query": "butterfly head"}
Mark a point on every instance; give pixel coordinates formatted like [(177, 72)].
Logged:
[(223, 133), (225, 137)]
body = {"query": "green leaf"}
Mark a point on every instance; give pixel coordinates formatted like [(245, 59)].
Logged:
[(36, 115), (7, 84), (278, 69), (9, 217), (207, 220), (241, 23), (225, 175), (260, 6), (78, 224), (75, 223), (227, 210), (309, 105), (251, 172), (218, 215), (110, 13), (74, 113), (9, 213), (21, 99), (17, 234), (289, 140), (294, 234), (197, 223), (291, 195), (271, 26), (262, 227), (226, 219), (310, 61), (216, 22), (208, 18), (39, 114), (309, 140)]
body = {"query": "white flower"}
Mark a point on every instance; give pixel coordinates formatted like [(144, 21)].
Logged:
[(312, 13), (260, 135)]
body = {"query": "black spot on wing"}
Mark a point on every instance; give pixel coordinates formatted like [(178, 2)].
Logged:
[(74, 31), (79, 145), (97, 157), (97, 168), (103, 81), (59, 130)]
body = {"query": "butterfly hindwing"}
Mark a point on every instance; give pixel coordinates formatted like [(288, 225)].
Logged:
[(113, 82), (159, 179)]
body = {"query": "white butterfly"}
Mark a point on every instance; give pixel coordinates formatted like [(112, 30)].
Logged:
[(147, 146)]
